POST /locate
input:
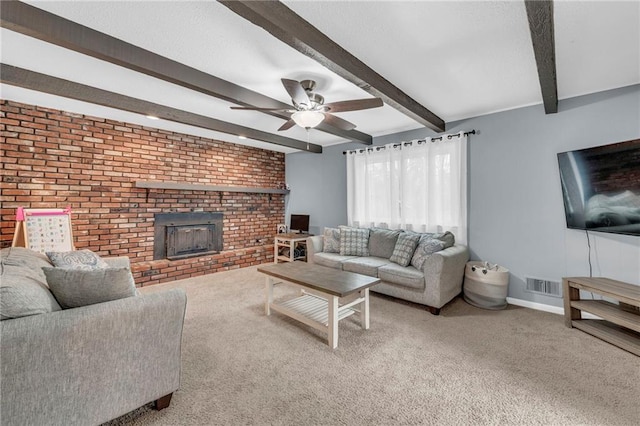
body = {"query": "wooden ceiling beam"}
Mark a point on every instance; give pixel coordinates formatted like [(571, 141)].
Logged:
[(540, 17), (290, 28), (29, 20), (32, 80)]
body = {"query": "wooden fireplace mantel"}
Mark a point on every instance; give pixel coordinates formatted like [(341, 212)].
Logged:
[(184, 186)]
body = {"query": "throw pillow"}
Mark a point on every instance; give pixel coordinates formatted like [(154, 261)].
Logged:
[(354, 241), (405, 246), (382, 242), (73, 288), (23, 286), (77, 259), (426, 247), (331, 240), (448, 238)]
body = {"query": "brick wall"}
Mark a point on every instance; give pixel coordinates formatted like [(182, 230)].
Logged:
[(52, 158)]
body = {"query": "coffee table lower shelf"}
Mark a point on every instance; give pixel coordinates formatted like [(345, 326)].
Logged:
[(319, 310), (326, 295), (311, 310)]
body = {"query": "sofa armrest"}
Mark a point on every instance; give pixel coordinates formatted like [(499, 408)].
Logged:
[(315, 245), (444, 273), (117, 262), (91, 364)]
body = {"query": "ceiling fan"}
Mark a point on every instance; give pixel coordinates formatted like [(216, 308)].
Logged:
[(309, 109)]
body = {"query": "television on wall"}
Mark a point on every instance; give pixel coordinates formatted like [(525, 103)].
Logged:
[(601, 188), (299, 223)]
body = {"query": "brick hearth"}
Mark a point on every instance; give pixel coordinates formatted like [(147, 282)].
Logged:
[(52, 158)]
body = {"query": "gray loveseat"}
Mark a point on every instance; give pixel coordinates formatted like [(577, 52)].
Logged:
[(85, 365), (434, 284)]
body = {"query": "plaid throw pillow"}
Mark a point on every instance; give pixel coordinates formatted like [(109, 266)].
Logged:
[(405, 246), (354, 241), (331, 240)]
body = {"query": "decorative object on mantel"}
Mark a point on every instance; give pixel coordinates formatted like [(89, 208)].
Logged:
[(43, 229)]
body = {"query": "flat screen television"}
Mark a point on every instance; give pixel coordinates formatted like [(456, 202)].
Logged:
[(601, 188), (299, 223)]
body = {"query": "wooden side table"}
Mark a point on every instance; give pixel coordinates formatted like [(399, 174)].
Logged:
[(290, 241), (619, 326)]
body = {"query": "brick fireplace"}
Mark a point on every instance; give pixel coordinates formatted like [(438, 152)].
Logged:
[(52, 158)]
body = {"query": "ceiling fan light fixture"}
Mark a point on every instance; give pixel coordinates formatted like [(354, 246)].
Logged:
[(307, 119)]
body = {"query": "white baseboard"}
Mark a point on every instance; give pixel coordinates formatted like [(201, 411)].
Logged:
[(534, 305), (546, 308)]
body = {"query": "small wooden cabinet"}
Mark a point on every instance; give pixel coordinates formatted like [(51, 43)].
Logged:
[(289, 247), (620, 324)]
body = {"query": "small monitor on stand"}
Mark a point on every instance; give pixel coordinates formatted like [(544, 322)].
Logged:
[(299, 223)]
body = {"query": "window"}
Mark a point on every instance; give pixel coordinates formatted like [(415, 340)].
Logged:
[(416, 186)]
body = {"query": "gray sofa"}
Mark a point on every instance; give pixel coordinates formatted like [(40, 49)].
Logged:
[(436, 283), (85, 365)]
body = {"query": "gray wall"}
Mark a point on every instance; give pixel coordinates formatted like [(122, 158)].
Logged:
[(516, 215)]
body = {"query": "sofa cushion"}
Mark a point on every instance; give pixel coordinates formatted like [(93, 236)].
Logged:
[(405, 246), (331, 240), (23, 286), (407, 276), (426, 247), (76, 259), (382, 242), (73, 288), (331, 260), (354, 241), (365, 265)]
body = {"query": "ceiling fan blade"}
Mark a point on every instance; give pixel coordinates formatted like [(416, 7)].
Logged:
[(338, 122), (353, 105), (297, 93), (259, 109), (286, 126)]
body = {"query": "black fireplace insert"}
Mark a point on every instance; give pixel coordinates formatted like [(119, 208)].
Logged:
[(182, 235)]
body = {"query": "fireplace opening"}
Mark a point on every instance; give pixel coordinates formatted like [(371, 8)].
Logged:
[(182, 235)]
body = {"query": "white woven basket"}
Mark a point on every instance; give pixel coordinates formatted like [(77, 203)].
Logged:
[(485, 285)]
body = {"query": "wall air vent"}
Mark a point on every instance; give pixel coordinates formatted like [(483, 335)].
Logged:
[(548, 288)]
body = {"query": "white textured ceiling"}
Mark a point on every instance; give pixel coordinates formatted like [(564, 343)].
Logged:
[(458, 59)]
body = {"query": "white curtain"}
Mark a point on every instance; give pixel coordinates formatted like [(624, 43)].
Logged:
[(419, 186)]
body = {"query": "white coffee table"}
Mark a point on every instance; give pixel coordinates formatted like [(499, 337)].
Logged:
[(322, 288)]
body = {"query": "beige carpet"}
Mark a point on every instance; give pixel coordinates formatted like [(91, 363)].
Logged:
[(466, 366)]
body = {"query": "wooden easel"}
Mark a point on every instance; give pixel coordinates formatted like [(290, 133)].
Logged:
[(43, 229)]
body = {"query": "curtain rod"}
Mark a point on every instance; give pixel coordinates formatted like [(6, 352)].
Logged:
[(419, 141)]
